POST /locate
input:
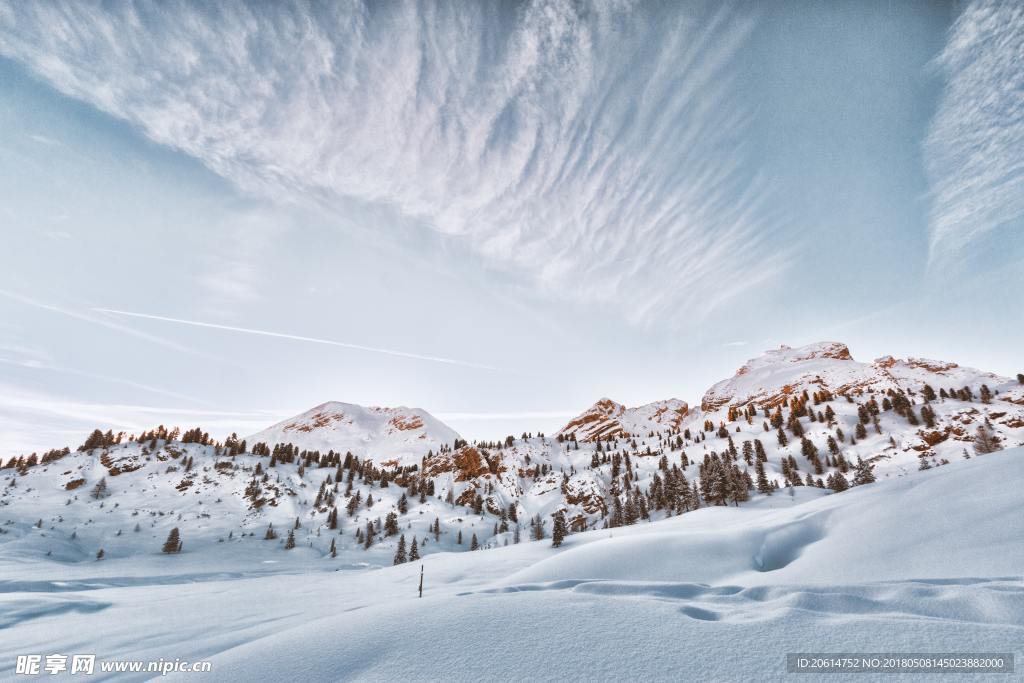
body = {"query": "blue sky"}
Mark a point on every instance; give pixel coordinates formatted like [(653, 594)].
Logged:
[(498, 213)]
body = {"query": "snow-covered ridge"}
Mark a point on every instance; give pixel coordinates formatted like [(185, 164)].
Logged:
[(380, 434), (773, 377), (607, 418)]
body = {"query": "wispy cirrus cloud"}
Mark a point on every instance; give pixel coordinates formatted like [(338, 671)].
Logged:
[(974, 147), (594, 149)]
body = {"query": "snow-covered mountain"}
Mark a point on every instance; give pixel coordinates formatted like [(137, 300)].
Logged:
[(811, 418), (607, 418), (402, 435), (774, 377)]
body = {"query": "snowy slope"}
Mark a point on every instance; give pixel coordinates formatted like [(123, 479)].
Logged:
[(924, 563), (403, 434)]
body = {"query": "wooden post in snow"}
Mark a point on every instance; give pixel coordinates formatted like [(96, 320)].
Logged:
[(421, 580)]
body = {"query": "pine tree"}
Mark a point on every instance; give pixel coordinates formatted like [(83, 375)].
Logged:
[(537, 528), (837, 482), (473, 544), (863, 474), (559, 529), (414, 551), (400, 557), (334, 549), (173, 542), (985, 440), (100, 554), (368, 539), (391, 524), (762, 480), (271, 534), (290, 542)]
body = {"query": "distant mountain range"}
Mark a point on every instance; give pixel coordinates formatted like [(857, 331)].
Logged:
[(808, 416)]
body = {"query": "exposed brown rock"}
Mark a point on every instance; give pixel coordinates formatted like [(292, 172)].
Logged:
[(467, 497), (406, 423), (316, 422)]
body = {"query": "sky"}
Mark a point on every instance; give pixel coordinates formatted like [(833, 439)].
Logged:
[(224, 214)]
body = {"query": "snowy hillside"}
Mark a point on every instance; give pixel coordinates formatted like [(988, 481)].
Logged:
[(923, 563)]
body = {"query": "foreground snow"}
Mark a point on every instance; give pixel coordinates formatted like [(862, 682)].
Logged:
[(924, 563)]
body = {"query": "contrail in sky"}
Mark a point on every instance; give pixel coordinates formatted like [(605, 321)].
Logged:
[(296, 337)]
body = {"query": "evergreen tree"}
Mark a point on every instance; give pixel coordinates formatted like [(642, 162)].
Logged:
[(368, 538), (400, 557), (537, 528), (414, 551), (985, 440), (391, 524), (100, 489), (290, 542), (473, 545), (559, 529), (762, 480), (173, 542), (334, 549), (864, 473), (837, 482)]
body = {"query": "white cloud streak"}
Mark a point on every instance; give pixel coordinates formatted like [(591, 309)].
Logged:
[(296, 337), (975, 147), (24, 416), (78, 315), (593, 149), (42, 366), (508, 416)]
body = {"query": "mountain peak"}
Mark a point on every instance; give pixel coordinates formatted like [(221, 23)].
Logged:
[(373, 432), (607, 418)]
